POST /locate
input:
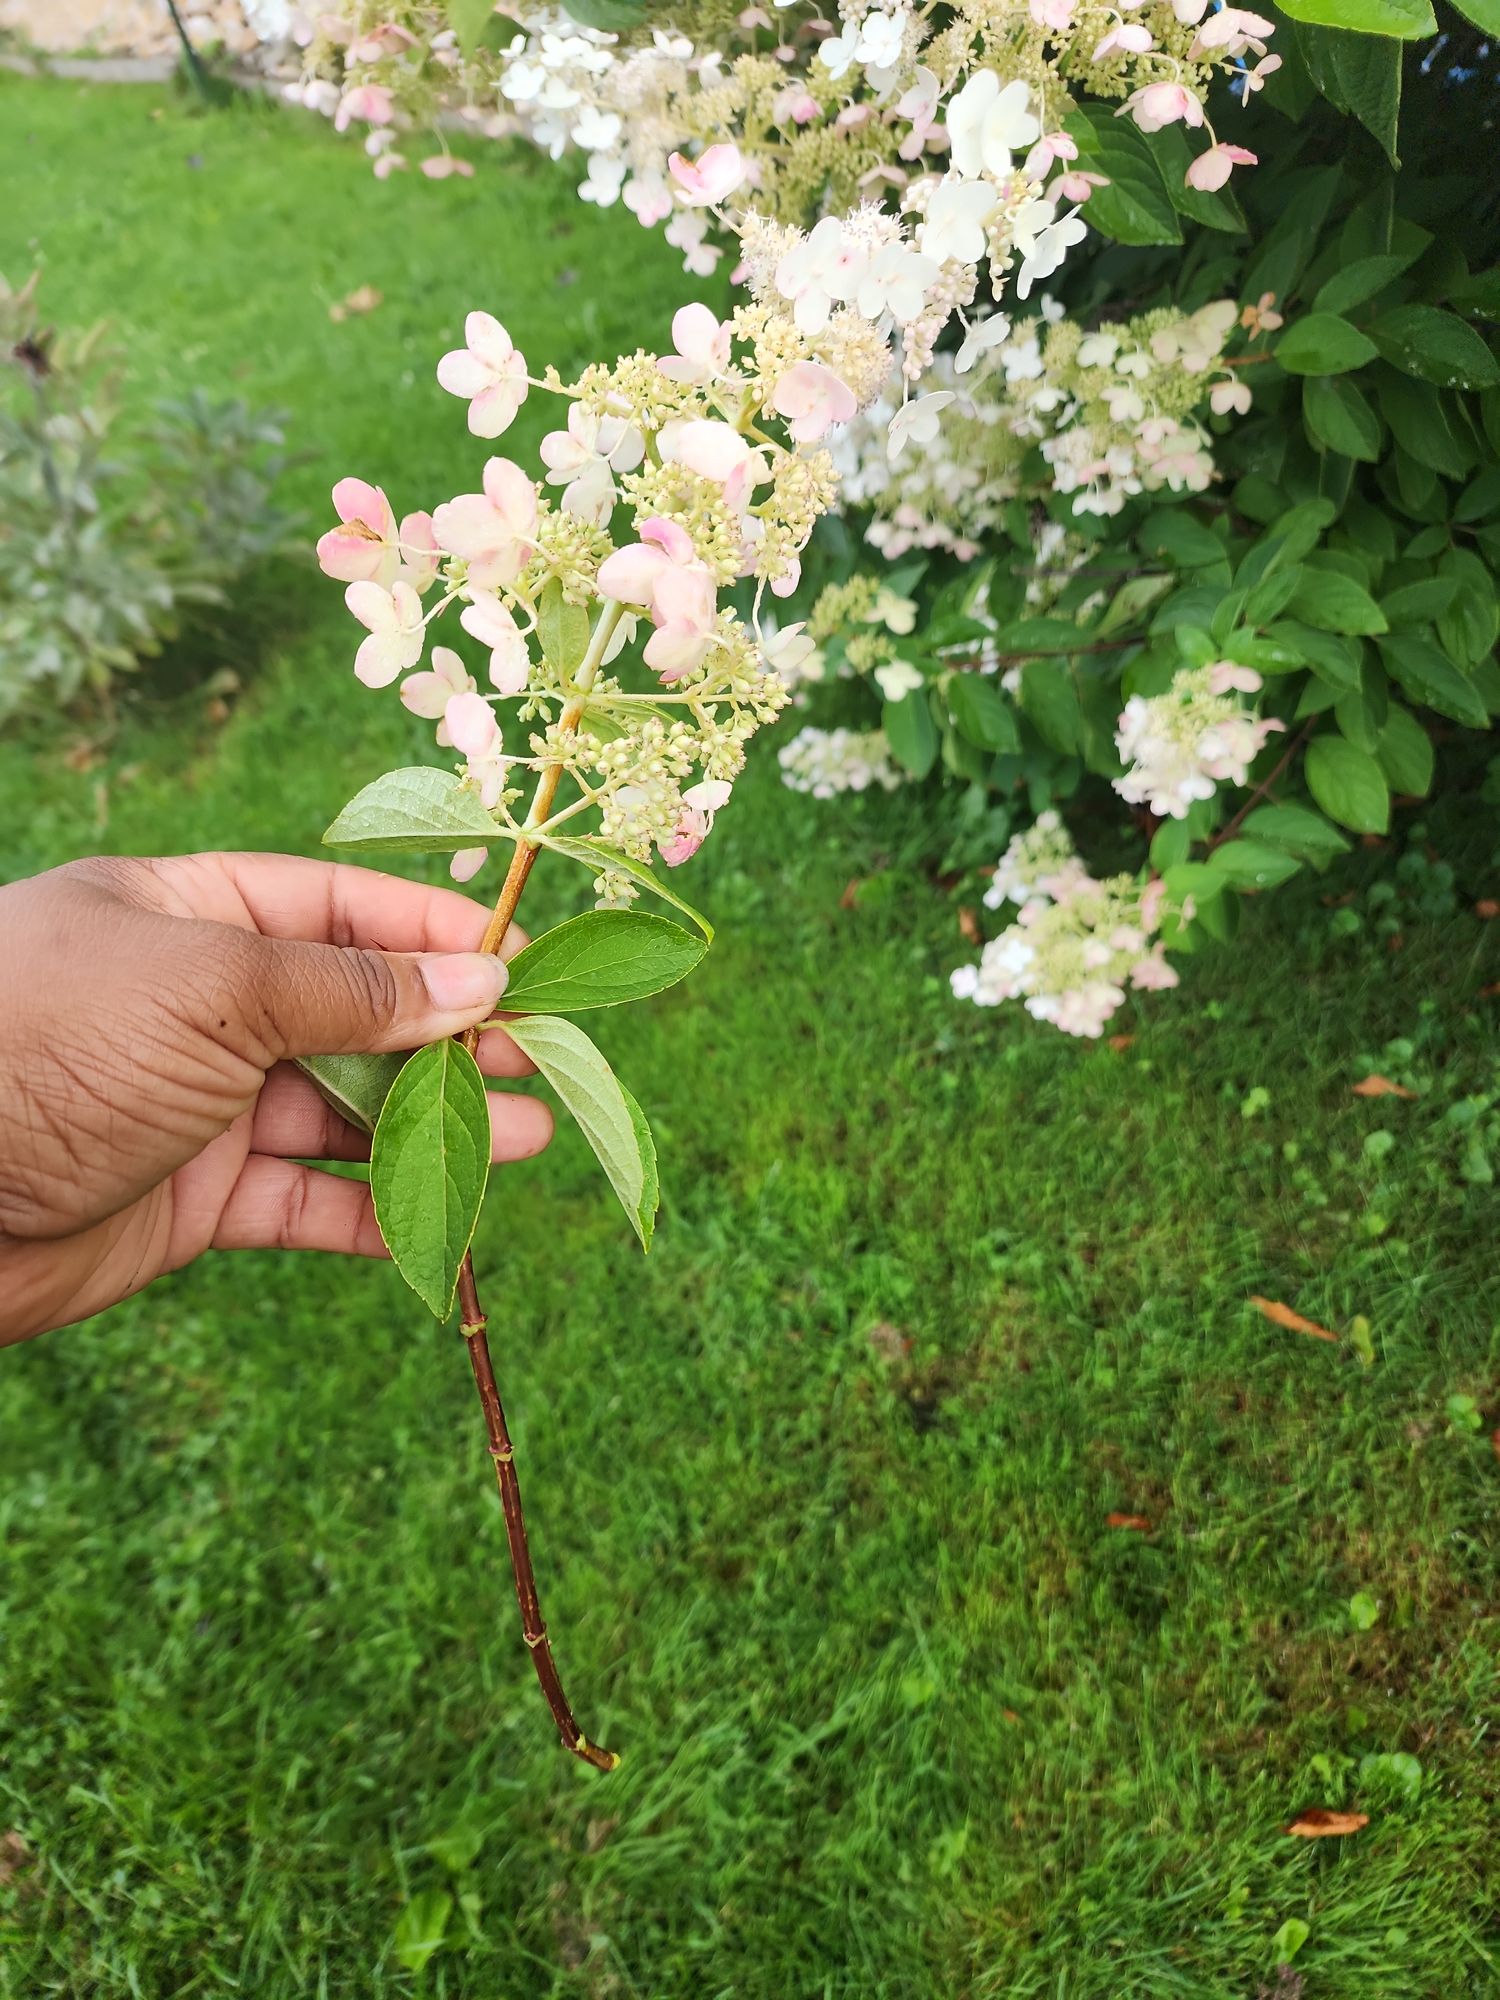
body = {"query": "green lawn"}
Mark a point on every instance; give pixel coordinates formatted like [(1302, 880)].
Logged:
[(821, 1493)]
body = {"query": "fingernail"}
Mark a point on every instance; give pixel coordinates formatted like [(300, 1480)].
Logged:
[(462, 981)]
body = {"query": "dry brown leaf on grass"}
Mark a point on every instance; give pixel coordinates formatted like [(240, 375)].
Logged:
[(1487, 908), (1381, 1086), (1321, 1822), (968, 923), (363, 299), (1281, 1315), (891, 1343), (1138, 1522), (1119, 1042)]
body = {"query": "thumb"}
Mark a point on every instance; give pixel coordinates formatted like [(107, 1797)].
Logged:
[(324, 999)]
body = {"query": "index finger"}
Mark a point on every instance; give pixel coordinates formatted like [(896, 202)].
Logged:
[(335, 902)]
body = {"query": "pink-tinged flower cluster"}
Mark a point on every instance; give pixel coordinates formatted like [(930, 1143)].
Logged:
[(488, 372), (367, 546), (492, 533), (1077, 944), (663, 575), (1182, 745), (714, 454)]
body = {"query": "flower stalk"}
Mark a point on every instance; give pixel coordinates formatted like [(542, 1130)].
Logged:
[(473, 1320)]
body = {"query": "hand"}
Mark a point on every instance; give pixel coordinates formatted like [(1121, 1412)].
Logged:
[(148, 1111)]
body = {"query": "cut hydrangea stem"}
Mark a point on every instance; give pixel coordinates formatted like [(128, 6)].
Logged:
[(472, 1316), (533, 1628)]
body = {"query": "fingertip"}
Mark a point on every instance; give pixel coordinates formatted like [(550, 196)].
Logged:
[(520, 1126), (498, 1055), (463, 983)]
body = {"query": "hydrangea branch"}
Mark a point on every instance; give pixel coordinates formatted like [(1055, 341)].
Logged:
[(473, 1321), (717, 450)]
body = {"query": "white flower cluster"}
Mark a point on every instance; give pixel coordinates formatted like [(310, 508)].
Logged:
[(1114, 412), (1040, 861), (1076, 944), (948, 491), (887, 97), (825, 762), (1182, 744), (680, 139)]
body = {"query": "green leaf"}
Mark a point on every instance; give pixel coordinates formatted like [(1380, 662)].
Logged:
[(1131, 602), (599, 855), (1332, 602), (1397, 1766), (563, 628), (610, 1121), (1421, 424), (415, 811), (468, 19), (1479, 295), (1404, 752), (423, 1924), (1468, 629), (1039, 635), (1190, 543), (1353, 283), (1289, 1940), (614, 16), (1368, 68), (1484, 14), (1480, 498), (1269, 654), (1323, 344), (1429, 677), (356, 1086), (1348, 784), (1136, 206), (1050, 699), (1435, 346), (1253, 864), (601, 959), (981, 713), (1289, 539), (1277, 261), (429, 1162), (1299, 830), (1170, 844), (1271, 596), (1334, 659), (1410, 20), (650, 1201), (459, 1848), (911, 732), (1340, 418), (1420, 602), (1173, 157), (1216, 908)]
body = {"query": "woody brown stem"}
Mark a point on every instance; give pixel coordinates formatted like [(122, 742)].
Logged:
[(502, 1451), (471, 1313)]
